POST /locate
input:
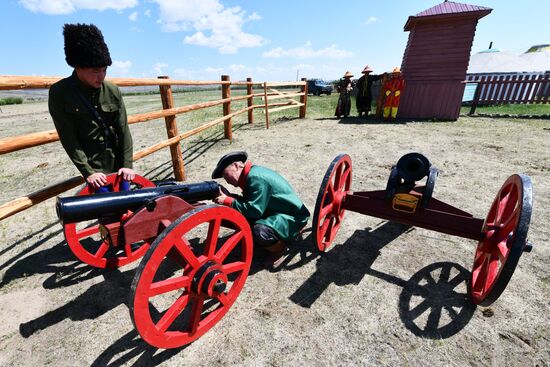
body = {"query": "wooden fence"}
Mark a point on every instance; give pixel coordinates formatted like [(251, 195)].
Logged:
[(495, 89), (169, 112)]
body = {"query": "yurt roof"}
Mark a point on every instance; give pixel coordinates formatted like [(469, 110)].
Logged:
[(497, 61)]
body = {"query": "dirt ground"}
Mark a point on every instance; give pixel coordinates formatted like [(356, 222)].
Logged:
[(383, 295)]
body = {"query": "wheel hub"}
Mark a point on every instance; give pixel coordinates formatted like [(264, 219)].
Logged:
[(210, 280)]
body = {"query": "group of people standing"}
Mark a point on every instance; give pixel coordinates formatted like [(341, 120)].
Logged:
[(387, 101)]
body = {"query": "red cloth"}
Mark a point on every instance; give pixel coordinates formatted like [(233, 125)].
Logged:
[(393, 85)]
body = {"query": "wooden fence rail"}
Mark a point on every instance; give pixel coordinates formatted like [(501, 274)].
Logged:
[(510, 89), (169, 112)]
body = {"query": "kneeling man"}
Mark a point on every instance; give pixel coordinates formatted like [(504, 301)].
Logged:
[(273, 209)]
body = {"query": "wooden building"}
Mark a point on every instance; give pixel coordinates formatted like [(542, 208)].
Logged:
[(436, 59)]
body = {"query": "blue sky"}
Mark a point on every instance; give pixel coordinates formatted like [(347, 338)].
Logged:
[(265, 40)]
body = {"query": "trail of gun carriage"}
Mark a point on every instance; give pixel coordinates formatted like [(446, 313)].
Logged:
[(425, 244)]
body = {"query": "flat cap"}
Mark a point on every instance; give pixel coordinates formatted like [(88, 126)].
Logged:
[(226, 160)]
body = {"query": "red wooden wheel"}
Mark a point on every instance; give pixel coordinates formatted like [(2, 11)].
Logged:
[(173, 303), (86, 243), (505, 239), (329, 213)]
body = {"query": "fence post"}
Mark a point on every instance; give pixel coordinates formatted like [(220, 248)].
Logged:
[(226, 93), (303, 99), (266, 107), (172, 130), (475, 99), (250, 100)]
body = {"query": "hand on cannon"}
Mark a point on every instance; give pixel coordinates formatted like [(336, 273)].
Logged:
[(222, 197), (96, 180), (127, 174)]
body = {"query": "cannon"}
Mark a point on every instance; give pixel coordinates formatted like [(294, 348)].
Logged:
[(501, 237), (195, 256)]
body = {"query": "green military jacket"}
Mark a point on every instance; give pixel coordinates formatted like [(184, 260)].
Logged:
[(83, 139), (269, 199)]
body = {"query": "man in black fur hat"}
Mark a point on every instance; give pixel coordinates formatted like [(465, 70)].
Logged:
[(89, 113)]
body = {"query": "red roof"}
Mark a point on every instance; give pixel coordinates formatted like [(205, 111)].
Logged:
[(448, 9)]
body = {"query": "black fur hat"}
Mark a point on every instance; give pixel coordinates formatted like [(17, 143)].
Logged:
[(85, 47)]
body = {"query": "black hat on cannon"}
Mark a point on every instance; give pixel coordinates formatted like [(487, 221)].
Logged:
[(85, 46), (226, 160)]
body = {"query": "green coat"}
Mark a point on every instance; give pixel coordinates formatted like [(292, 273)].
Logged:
[(269, 199), (83, 140)]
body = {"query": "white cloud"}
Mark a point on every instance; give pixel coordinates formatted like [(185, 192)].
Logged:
[(214, 25), (133, 16), (120, 68), (147, 13), (70, 6), (372, 20), (211, 70), (307, 52), (235, 68), (254, 16), (159, 68)]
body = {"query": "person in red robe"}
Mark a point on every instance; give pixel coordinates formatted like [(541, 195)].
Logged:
[(391, 93)]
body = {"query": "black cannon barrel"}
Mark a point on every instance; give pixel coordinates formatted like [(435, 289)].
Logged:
[(413, 167), (79, 208)]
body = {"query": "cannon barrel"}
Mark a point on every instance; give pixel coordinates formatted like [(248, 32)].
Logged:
[(80, 208), (413, 167)]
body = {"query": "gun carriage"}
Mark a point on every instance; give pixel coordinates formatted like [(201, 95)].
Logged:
[(501, 236), (182, 287)]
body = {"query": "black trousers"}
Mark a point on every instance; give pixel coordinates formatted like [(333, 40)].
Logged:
[(264, 236)]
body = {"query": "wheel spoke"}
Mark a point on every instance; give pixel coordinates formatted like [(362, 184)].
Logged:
[(326, 210), (212, 238), (501, 207), (338, 176), (455, 281), (169, 285), (433, 318), (128, 249), (102, 250), (445, 274), (224, 300), (430, 279), (172, 313), (330, 191), (479, 276), (344, 180), (228, 246), (452, 313), (501, 251), (324, 227), (510, 223), (184, 248), (87, 232), (492, 271), (334, 229), (419, 309), (233, 267), (328, 229), (198, 304)]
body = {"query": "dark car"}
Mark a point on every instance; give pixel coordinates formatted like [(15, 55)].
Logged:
[(318, 87)]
